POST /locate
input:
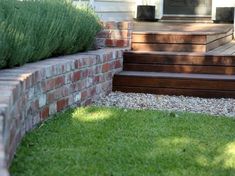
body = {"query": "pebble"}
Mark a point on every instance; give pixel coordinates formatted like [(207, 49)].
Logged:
[(218, 107)]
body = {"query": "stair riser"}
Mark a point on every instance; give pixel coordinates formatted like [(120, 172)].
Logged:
[(176, 83), (132, 58), (181, 47), (168, 38), (168, 47), (177, 92), (180, 69)]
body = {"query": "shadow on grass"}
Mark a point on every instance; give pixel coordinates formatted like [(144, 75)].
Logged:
[(104, 141)]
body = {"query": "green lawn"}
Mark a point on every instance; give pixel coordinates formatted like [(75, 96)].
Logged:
[(97, 141)]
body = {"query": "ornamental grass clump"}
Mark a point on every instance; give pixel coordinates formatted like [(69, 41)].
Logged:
[(31, 30)]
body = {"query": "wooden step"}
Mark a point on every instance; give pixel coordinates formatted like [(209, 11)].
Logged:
[(179, 62), (178, 43), (201, 85)]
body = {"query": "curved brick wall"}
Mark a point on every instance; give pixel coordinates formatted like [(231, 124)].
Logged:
[(31, 93)]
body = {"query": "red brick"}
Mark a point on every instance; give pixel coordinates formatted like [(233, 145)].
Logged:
[(78, 64), (50, 97), (44, 113), (97, 79), (109, 42), (84, 74), (118, 64), (59, 81), (63, 68), (107, 57), (75, 87), (76, 76), (105, 67), (48, 85), (87, 102), (92, 91), (61, 104), (116, 42), (121, 43), (84, 95)]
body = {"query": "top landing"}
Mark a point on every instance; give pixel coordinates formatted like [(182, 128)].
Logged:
[(182, 28)]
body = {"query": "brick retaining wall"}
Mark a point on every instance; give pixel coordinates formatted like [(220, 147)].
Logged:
[(115, 34), (33, 92)]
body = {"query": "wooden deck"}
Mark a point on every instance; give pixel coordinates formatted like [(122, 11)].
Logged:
[(180, 59)]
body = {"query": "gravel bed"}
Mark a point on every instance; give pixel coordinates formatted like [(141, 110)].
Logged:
[(222, 106)]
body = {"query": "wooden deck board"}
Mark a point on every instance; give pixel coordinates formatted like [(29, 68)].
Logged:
[(227, 50)]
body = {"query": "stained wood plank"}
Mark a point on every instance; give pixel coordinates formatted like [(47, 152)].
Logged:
[(175, 80), (201, 69), (179, 58), (219, 42), (168, 47), (169, 38), (221, 49), (177, 38), (181, 28), (211, 38), (227, 49), (181, 47)]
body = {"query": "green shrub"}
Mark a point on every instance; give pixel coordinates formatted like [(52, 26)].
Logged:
[(32, 30)]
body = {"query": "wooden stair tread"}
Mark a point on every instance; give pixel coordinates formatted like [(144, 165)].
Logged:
[(178, 58), (200, 85), (193, 69), (177, 75)]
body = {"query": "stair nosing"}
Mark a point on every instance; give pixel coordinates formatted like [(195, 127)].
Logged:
[(169, 75), (169, 53)]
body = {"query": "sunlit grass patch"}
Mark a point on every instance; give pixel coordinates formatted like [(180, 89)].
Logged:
[(110, 141)]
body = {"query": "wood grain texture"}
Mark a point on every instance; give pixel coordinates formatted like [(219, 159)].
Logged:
[(168, 47), (178, 58), (177, 46), (201, 69), (169, 38), (200, 85)]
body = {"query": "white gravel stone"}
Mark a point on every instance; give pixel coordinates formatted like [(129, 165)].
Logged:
[(222, 106)]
